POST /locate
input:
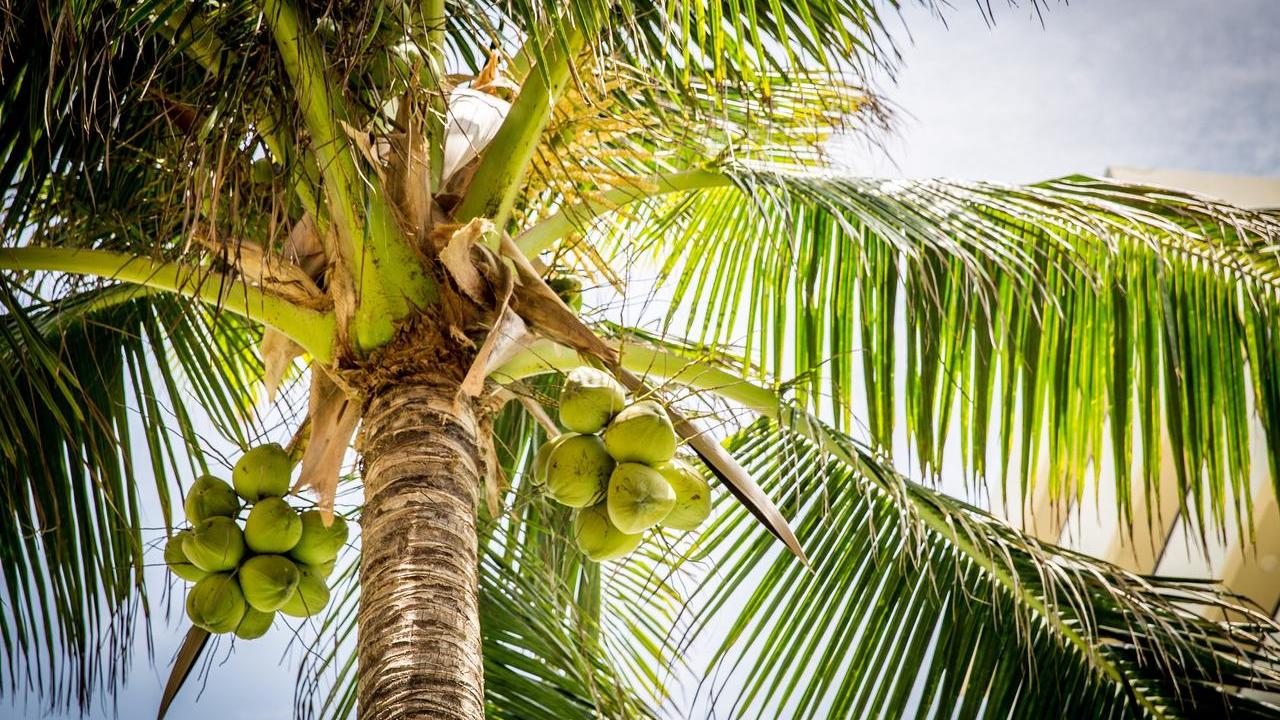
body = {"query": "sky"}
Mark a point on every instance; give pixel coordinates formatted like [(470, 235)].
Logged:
[(1188, 84)]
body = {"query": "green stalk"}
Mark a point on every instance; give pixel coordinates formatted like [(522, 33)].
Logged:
[(506, 160), (434, 18), (542, 235), (312, 329), (388, 275)]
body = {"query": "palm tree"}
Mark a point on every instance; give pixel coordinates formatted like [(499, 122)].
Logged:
[(202, 195)]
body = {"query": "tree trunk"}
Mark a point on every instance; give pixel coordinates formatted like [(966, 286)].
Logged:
[(419, 644)]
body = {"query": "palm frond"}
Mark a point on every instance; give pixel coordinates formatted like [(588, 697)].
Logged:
[(916, 603), (1063, 315), (101, 385), (919, 605)]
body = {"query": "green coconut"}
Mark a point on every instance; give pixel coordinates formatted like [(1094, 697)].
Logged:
[(215, 545), (599, 538), (216, 603), (589, 399), (639, 497), (210, 497), (693, 495), (569, 288), (268, 581), (272, 527), (254, 624), (578, 471), (309, 598), (262, 472), (323, 570), (177, 560), (319, 544), (641, 433), (542, 458)]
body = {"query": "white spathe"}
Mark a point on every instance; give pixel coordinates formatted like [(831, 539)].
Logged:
[(474, 118)]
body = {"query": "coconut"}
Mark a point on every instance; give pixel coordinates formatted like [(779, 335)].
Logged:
[(272, 527), (319, 544), (262, 472), (309, 598), (693, 495), (268, 581), (254, 624), (639, 497), (569, 288), (177, 560), (578, 471), (599, 538), (210, 497), (323, 570), (641, 433), (542, 458), (215, 545), (589, 398), (216, 603)]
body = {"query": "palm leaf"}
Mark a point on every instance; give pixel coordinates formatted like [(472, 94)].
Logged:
[(1068, 314), (917, 604), (921, 605), (102, 383)]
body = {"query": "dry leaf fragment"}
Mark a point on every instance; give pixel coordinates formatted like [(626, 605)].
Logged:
[(305, 248), (456, 257), (546, 313), (333, 418), (278, 353)]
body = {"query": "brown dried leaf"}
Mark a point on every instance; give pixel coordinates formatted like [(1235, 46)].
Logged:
[(508, 334), (333, 418), (546, 313), (456, 257), (364, 143), (504, 341), (305, 248), (496, 483), (192, 646), (409, 172), (273, 273), (278, 353)]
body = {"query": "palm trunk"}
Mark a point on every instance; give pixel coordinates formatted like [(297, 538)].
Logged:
[(419, 643)]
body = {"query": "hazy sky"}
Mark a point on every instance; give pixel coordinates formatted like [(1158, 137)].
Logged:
[(1166, 83), (1191, 84)]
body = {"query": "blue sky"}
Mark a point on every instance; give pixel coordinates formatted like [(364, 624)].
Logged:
[(1166, 83)]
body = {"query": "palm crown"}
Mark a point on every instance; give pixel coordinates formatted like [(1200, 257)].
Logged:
[(368, 180)]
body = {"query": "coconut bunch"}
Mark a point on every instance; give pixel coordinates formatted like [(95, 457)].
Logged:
[(277, 560), (617, 465)]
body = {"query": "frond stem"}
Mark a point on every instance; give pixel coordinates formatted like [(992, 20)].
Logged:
[(312, 329), (574, 217)]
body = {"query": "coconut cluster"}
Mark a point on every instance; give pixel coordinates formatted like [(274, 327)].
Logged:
[(277, 560), (617, 465)]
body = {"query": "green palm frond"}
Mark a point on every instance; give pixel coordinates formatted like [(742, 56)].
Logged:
[(101, 384), (1068, 314), (915, 604), (919, 605)]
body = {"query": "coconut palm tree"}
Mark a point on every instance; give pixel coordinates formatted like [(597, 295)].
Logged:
[(373, 199)]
